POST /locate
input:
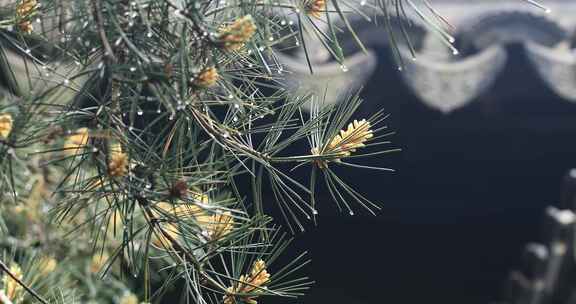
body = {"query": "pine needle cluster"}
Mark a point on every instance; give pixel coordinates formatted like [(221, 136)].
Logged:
[(138, 139)]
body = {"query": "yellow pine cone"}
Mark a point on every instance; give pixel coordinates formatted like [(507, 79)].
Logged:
[(47, 265), (26, 7), (251, 283), (343, 144), (6, 124), (219, 225), (215, 226), (11, 287), (129, 298), (207, 78), (76, 142), (160, 240), (235, 35), (118, 163), (315, 8), (98, 261)]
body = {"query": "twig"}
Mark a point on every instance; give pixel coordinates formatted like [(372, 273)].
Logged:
[(97, 11), (5, 268), (155, 225)]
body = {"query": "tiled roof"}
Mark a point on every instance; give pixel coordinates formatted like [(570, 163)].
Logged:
[(445, 79)]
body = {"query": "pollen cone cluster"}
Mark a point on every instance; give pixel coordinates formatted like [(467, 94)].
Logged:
[(207, 78), (24, 10), (6, 124), (347, 141), (47, 265), (98, 261), (213, 226), (129, 298), (219, 225), (118, 163), (235, 35), (249, 284), (76, 142), (12, 288)]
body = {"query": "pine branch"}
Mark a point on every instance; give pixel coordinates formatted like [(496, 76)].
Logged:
[(6, 269)]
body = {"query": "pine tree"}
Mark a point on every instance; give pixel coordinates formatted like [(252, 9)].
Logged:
[(128, 130)]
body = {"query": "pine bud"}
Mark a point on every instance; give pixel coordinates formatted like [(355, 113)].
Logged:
[(235, 35), (179, 189)]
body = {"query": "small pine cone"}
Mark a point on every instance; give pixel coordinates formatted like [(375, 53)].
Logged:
[(179, 189), (315, 8), (235, 35), (6, 124)]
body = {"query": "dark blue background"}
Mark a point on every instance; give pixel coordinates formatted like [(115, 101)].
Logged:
[(469, 193)]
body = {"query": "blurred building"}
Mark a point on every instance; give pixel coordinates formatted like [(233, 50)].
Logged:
[(487, 134)]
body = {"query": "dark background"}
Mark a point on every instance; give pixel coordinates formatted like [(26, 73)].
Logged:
[(469, 193)]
